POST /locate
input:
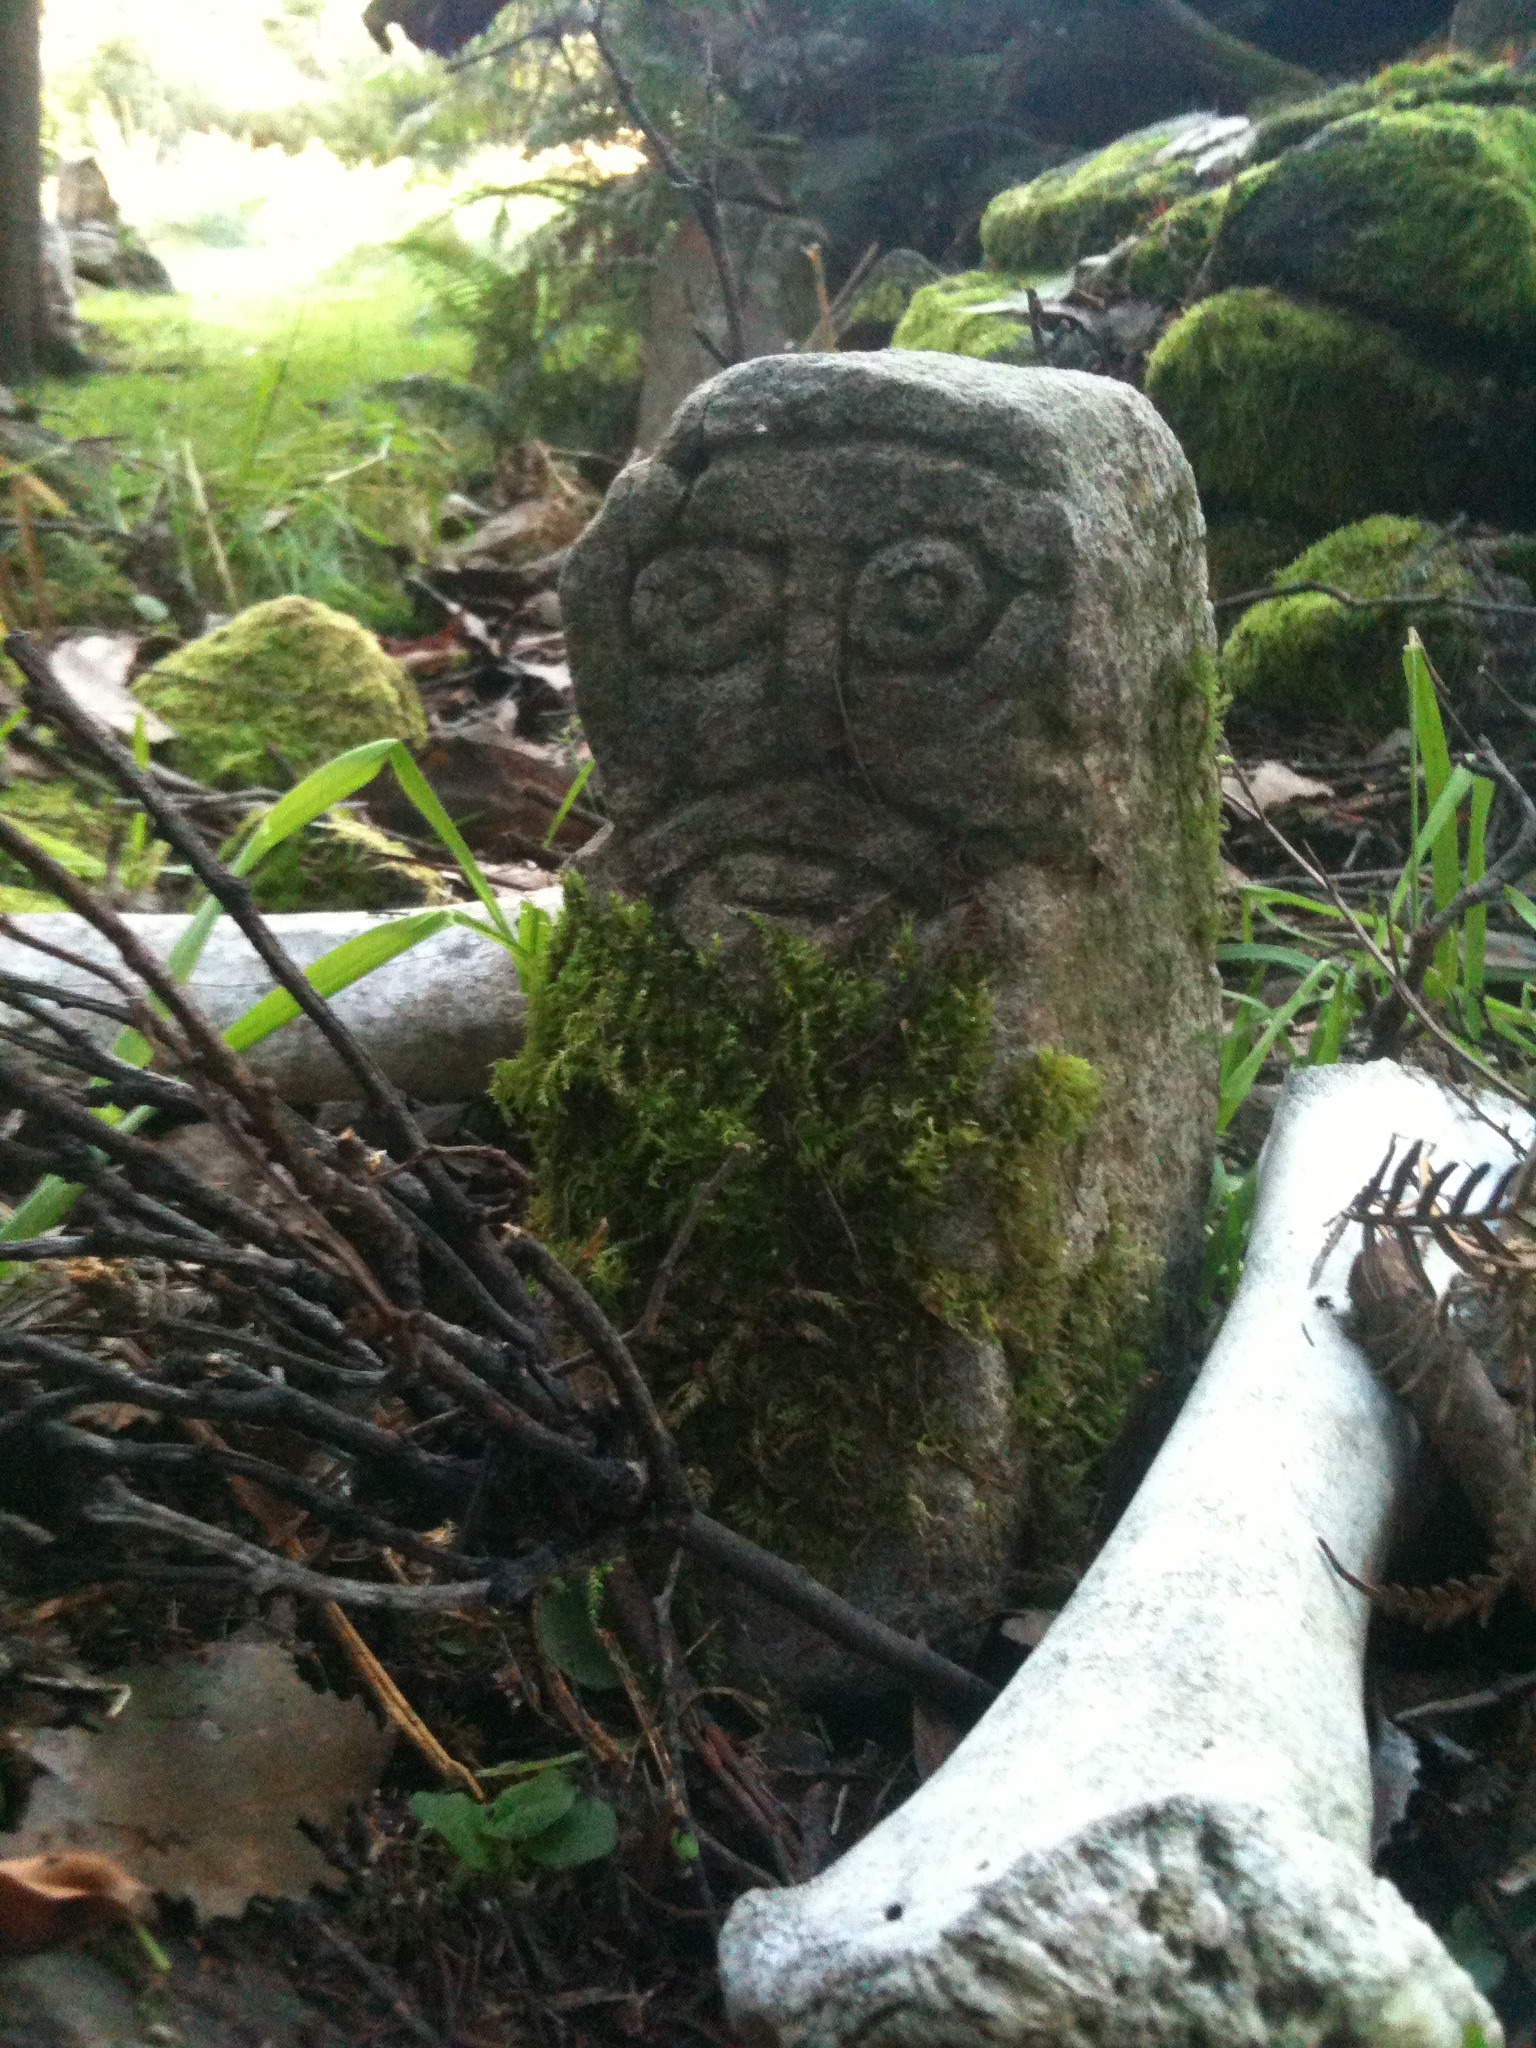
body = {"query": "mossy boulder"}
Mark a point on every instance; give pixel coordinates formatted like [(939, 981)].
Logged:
[(344, 863), (283, 686), (1424, 217), (1457, 78), (1309, 658), (943, 316), (865, 1095), (1164, 263), (1091, 204), (1310, 415)]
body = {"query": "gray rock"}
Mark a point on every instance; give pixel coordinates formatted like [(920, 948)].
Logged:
[(61, 312), (435, 1017), (1490, 24), (778, 305), (913, 637), (1160, 1833)]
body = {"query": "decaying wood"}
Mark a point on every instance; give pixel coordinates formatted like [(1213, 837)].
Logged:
[(1424, 1351)]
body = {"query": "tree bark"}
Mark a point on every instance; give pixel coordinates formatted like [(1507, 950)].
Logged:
[(21, 170)]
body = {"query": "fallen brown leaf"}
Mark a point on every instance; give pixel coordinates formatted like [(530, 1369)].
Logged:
[(198, 1787), (45, 1900)]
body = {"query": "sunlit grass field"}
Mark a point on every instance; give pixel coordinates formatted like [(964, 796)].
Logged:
[(259, 429)]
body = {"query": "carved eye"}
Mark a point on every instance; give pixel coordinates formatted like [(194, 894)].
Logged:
[(701, 607), (919, 601)]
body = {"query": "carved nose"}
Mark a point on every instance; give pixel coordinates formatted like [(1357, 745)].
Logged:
[(810, 675)]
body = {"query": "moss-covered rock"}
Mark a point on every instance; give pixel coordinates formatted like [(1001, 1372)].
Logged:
[(1424, 217), (1455, 79), (344, 863), (799, 1332), (289, 679), (1089, 205), (1309, 658), (942, 316), (1317, 417), (1164, 263)]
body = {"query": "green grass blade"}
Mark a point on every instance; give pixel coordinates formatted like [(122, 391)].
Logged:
[(567, 801), (1235, 1085), (424, 797), (1474, 926), (1431, 839), (1234, 955), (332, 783), (336, 970)]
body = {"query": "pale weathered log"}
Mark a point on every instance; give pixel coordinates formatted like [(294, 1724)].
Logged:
[(434, 1017), (1159, 1834)]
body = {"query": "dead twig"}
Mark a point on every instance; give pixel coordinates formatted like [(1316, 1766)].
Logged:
[(1347, 598)]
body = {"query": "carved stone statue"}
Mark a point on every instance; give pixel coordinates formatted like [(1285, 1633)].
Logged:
[(877, 639)]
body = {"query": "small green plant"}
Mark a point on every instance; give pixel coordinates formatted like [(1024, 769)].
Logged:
[(50, 1201), (541, 1822), (1340, 961)]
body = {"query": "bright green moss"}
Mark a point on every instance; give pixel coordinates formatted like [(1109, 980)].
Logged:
[(1297, 413), (800, 1335), (1165, 262), (344, 863), (1457, 79), (86, 833), (1425, 218), (1085, 207), (940, 317), (289, 679), (1309, 658)]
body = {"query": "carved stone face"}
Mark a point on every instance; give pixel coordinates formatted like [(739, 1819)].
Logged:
[(821, 669)]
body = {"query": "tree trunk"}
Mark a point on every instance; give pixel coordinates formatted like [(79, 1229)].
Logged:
[(20, 179)]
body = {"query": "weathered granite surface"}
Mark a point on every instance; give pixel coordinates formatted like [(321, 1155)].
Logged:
[(882, 638)]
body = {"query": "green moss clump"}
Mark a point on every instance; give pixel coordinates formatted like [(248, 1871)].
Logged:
[(1514, 554), (344, 863), (1425, 218), (1165, 262), (803, 1335), (940, 317), (290, 677), (1456, 79), (1298, 413), (86, 833), (1086, 206), (1310, 658)]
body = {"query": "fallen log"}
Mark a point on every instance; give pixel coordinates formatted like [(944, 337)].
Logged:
[(1159, 1834), (434, 1017)]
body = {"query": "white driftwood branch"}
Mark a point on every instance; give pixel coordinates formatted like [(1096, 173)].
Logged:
[(1158, 1836), (434, 1017)]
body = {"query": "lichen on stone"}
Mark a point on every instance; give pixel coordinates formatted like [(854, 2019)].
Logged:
[(1309, 658), (1308, 414), (1424, 217), (1086, 206), (792, 1354), (942, 317), (284, 685)]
